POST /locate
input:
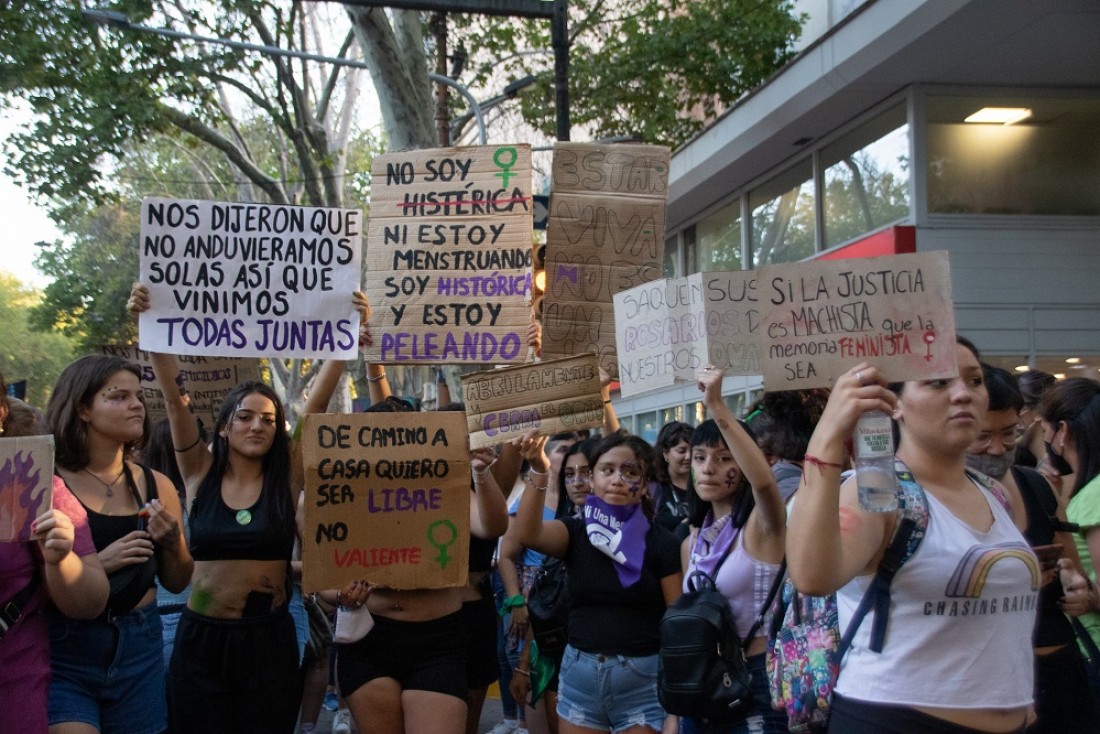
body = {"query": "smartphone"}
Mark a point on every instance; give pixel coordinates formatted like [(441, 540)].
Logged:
[(1048, 554)]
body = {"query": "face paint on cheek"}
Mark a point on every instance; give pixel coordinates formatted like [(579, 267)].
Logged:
[(850, 521), (635, 487), (732, 477)]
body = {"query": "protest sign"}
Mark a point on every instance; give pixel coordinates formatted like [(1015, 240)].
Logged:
[(553, 396), (448, 255), (26, 484), (387, 500), (822, 317), (606, 234), (206, 380), (666, 329), (249, 280)]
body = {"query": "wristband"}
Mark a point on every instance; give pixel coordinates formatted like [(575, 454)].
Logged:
[(376, 378), (193, 445), (522, 672), (821, 464), (512, 602)]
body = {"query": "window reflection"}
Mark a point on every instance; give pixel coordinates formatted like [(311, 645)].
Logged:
[(783, 217)]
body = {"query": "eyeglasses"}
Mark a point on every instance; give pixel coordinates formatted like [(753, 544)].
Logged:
[(581, 476), (628, 472), (1008, 439)]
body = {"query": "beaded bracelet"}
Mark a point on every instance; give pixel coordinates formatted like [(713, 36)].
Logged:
[(376, 378)]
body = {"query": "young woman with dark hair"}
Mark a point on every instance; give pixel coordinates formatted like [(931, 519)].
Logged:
[(623, 572), (57, 567), (673, 471), (940, 670), (738, 521), (108, 673), (234, 667)]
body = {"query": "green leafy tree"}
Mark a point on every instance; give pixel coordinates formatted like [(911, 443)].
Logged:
[(28, 355)]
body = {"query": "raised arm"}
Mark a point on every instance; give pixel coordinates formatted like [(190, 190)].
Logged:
[(378, 387), (192, 455), (610, 419), (545, 536), (488, 511), (770, 514), (830, 540)]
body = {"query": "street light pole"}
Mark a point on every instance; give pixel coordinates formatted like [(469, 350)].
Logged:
[(121, 20)]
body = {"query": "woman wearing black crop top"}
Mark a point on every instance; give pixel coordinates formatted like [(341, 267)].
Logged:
[(108, 673), (624, 570)]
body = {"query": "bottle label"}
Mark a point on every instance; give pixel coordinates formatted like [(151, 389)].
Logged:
[(874, 437)]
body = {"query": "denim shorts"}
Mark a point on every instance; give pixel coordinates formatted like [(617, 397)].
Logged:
[(612, 692), (109, 674)]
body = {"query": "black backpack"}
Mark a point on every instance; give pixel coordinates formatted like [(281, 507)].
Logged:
[(702, 672), (548, 608)]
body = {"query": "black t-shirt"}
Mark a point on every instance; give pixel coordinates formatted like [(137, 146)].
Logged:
[(605, 618)]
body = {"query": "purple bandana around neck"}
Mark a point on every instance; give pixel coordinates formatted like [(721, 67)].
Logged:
[(714, 538), (618, 531)]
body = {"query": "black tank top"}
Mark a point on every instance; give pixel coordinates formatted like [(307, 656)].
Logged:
[(128, 584), (220, 533)]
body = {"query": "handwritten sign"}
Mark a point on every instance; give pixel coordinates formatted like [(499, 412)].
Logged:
[(207, 380), (387, 500), (820, 318), (249, 280), (449, 255), (666, 329), (26, 484), (553, 396), (606, 234)]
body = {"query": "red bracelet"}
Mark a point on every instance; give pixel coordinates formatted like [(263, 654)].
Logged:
[(821, 463)]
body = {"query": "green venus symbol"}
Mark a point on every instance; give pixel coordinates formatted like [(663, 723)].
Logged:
[(443, 557)]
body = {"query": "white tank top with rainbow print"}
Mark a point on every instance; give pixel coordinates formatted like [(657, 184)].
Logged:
[(962, 610)]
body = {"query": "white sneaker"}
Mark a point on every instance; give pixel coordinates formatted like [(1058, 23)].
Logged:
[(519, 730), (341, 722), (506, 726)]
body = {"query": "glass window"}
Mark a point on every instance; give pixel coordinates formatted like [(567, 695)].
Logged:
[(718, 240), (699, 411), (672, 258), (867, 175), (645, 425), (1045, 164), (736, 403), (675, 413), (783, 217)]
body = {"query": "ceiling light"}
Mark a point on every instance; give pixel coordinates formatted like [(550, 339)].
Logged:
[(1021, 368), (1059, 375), (1073, 360), (999, 115)]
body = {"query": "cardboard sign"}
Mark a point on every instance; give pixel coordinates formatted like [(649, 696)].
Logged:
[(449, 255), (823, 317), (387, 500), (207, 380), (667, 329), (249, 280), (555, 396), (605, 235), (26, 484)]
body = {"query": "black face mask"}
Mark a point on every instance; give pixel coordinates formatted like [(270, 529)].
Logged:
[(1057, 462)]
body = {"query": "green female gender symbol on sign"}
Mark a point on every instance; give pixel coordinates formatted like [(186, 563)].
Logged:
[(505, 167), (443, 558)]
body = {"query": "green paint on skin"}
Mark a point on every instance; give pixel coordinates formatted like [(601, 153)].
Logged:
[(200, 600)]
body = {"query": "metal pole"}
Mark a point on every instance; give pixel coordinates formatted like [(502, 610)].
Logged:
[(120, 20), (559, 39)]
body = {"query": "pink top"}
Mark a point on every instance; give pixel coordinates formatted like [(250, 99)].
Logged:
[(25, 649)]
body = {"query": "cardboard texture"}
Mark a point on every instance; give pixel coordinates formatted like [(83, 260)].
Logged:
[(553, 396), (821, 318), (249, 280), (207, 380), (605, 234), (449, 255), (26, 484), (387, 500), (666, 329)]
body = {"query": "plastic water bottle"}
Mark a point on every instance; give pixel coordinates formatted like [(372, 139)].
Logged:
[(873, 443)]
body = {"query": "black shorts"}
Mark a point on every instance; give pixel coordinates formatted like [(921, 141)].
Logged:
[(234, 675), (482, 666), (848, 716), (421, 656)]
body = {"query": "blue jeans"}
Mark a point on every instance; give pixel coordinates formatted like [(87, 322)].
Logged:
[(609, 692), (763, 719), (109, 674)]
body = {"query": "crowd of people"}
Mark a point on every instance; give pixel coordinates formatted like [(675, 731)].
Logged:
[(162, 591)]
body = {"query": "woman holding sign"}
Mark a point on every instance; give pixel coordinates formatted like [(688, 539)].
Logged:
[(956, 656), (108, 673), (608, 678), (235, 663), (58, 565)]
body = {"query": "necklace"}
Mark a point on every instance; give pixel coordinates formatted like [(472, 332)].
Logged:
[(109, 487)]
